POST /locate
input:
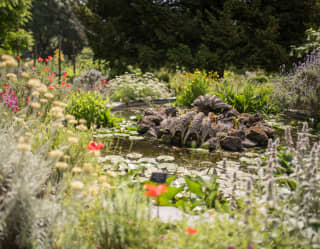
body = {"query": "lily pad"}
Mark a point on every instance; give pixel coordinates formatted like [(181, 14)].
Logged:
[(165, 158), (147, 160), (121, 135), (134, 156), (245, 161), (102, 135), (168, 166), (136, 138), (114, 159), (199, 150), (251, 155)]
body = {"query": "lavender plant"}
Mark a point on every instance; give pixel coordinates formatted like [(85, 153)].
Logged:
[(300, 88)]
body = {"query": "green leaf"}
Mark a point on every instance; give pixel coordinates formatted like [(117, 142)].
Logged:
[(194, 187)]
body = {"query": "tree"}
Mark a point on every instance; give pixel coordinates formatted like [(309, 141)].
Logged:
[(14, 14)]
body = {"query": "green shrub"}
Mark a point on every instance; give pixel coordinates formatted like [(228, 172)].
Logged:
[(251, 99), (91, 107), (197, 84)]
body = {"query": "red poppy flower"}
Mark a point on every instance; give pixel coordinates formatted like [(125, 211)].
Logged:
[(102, 84), (40, 59), (65, 74), (155, 191), (63, 83), (18, 57), (5, 86), (108, 82), (46, 60), (212, 214), (96, 88), (94, 146), (28, 99), (32, 66), (191, 231), (17, 109), (51, 87), (68, 85), (50, 58), (54, 85), (49, 77), (53, 74)]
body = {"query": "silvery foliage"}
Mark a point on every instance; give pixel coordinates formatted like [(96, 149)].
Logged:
[(26, 213), (299, 209)]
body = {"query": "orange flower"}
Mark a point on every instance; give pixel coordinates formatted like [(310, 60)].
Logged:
[(191, 231), (46, 60), (40, 59), (50, 58), (94, 146), (155, 191)]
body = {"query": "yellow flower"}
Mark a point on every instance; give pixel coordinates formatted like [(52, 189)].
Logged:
[(55, 154), (76, 170), (35, 94), (102, 179), (12, 76), (61, 165), (49, 95), (76, 185), (73, 140), (87, 167), (24, 147), (35, 105), (34, 83)]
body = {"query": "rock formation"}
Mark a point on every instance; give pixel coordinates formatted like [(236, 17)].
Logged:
[(212, 123)]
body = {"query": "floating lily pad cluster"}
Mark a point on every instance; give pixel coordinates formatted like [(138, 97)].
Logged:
[(210, 124)]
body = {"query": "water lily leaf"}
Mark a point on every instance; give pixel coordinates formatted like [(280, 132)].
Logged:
[(194, 187), (170, 179), (172, 192), (136, 138), (165, 158)]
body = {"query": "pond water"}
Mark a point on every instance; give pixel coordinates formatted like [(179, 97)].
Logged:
[(127, 150)]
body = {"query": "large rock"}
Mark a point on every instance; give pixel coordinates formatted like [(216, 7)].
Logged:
[(257, 135), (231, 143), (214, 123), (212, 103)]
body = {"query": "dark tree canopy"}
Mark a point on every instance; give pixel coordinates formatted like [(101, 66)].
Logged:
[(195, 34)]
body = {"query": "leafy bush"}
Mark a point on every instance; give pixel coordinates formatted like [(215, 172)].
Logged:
[(300, 89), (251, 99), (197, 84), (91, 107), (135, 87)]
